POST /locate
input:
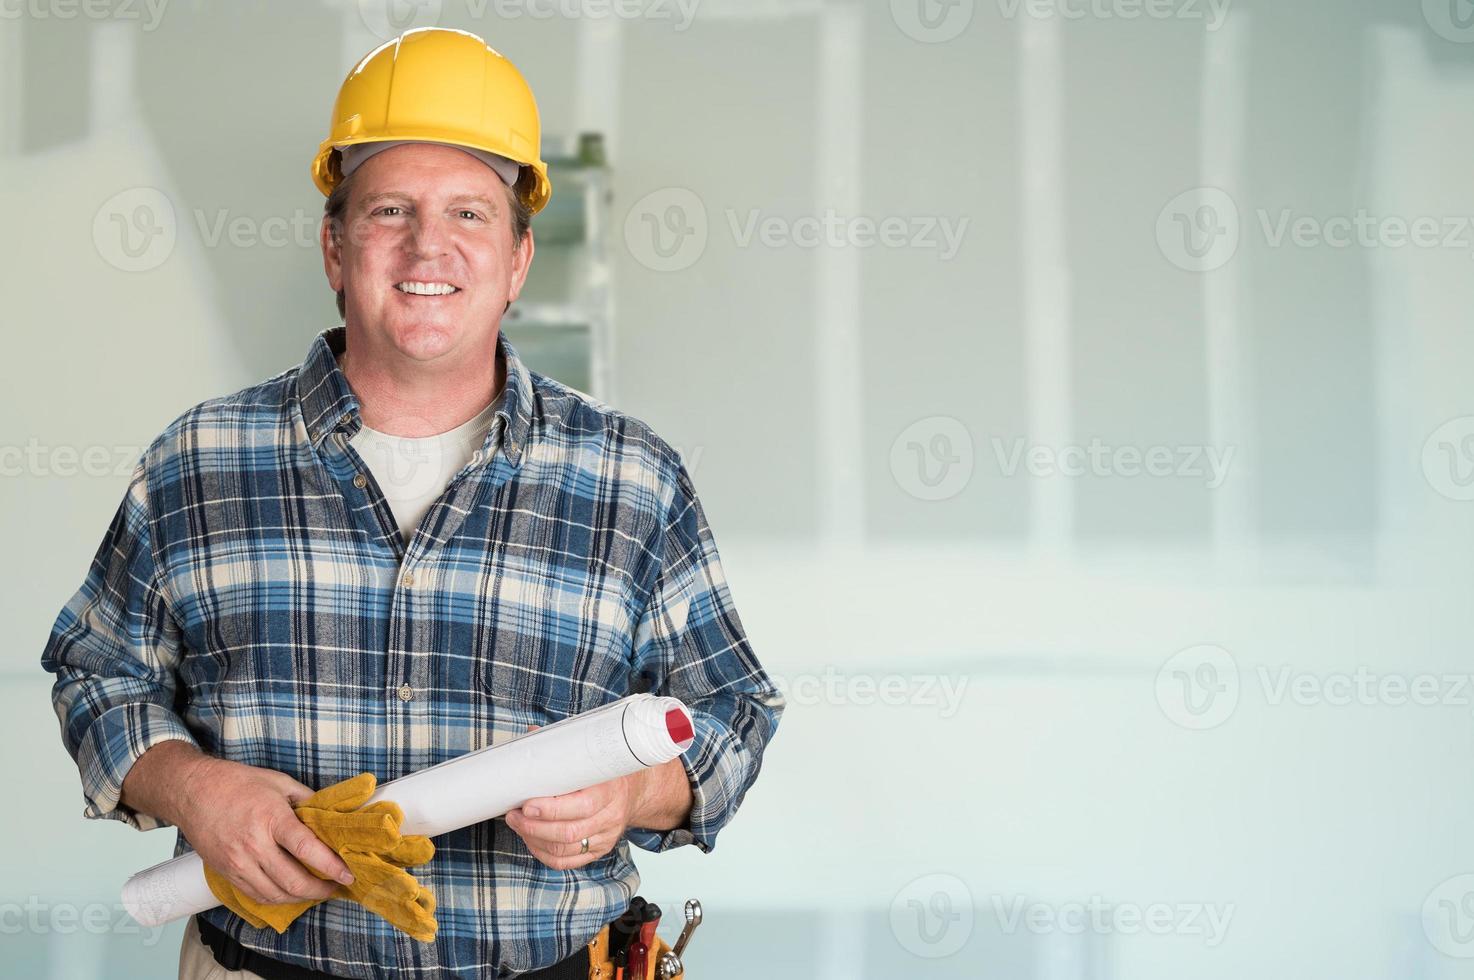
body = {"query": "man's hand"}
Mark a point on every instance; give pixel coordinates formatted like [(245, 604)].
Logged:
[(240, 820), (553, 827)]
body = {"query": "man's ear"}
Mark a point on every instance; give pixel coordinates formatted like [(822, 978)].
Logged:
[(332, 253), (521, 263)]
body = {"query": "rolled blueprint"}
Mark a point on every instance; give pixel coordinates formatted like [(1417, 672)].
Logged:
[(615, 740)]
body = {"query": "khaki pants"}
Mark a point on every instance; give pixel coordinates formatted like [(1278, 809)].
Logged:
[(196, 962)]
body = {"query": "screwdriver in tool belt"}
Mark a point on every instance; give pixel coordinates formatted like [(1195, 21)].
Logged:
[(622, 932), (639, 955)]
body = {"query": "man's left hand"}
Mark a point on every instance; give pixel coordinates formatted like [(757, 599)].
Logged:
[(554, 827)]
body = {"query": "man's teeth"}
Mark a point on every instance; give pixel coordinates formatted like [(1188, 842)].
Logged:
[(426, 288)]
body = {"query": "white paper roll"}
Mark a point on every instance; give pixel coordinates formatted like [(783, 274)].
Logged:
[(584, 750)]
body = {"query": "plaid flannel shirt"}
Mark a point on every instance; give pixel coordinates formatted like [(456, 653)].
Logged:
[(253, 596)]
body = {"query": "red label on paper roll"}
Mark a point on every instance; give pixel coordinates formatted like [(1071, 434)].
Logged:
[(679, 726)]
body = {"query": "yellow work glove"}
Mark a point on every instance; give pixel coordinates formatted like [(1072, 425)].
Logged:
[(368, 840)]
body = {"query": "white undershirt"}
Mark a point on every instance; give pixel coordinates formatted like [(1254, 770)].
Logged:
[(414, 472)]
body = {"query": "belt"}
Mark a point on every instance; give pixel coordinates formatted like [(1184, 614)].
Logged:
[(233, 956)]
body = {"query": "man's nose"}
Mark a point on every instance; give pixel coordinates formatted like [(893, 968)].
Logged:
[(428, 237)]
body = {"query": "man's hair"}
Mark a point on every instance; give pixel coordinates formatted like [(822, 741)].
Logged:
[(336, 207)]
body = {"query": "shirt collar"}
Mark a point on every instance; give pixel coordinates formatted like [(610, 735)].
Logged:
[(329, 405)]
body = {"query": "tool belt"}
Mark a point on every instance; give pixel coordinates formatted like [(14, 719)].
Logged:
[(601, 967), (608, 952), (630, 949)]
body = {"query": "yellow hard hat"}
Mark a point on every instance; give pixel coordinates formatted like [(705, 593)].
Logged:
[(438, 85)]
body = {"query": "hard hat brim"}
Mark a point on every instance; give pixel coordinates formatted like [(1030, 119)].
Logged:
[(327, 170)]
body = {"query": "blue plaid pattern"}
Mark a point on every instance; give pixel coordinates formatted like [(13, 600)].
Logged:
[(250, 597)]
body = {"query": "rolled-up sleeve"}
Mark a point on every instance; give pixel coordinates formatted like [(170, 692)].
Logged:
[(114, 649), (690, 638)]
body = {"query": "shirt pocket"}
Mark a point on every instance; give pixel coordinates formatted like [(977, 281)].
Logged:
[(288, 627), (553, 649)]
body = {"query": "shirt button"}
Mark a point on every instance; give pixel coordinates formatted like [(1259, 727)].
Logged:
[(360, 481), (406, 693), (345, 419), (408, 579)]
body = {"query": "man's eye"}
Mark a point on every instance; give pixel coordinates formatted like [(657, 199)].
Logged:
[(470, 214), (387, 208)]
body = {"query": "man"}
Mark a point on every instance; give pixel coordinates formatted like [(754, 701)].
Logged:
[(271, 612)]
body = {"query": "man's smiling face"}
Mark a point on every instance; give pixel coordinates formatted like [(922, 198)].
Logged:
[(426, 257)]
